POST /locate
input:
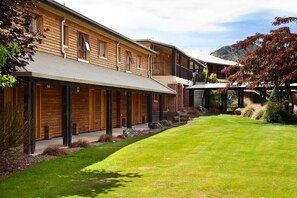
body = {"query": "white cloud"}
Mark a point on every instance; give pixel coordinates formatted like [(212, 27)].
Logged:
[(174, 15), (196, 24)]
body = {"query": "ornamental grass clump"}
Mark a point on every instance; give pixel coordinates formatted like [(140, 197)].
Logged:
[(259, 112), (80, 143), (55, 151), (248, 111), (13, 127)]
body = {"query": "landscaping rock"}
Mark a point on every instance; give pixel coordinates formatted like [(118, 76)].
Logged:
[(237, 111), (155, 125), (129, 132), (166, 123)]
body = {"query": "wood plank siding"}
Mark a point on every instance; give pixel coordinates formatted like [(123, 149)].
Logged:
[(58, 106), (52, 43)]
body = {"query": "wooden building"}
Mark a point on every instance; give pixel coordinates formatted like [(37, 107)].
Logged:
[(174, 68), (85, 77)]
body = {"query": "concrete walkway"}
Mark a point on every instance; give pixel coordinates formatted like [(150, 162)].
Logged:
[(90, 137)]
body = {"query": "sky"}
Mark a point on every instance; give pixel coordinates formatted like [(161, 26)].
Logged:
[(197, 25)]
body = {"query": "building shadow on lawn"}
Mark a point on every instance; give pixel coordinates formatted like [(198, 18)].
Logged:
[(94, 182)]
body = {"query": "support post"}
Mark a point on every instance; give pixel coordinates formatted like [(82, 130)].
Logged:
[(67, 115), (129, 109), (30, 112), (206, 98), (224, 102), (262, 94), (242, 98), (109, 112), (161, 116), (180, 65), (173, 62), (191, 97), (239, 98), (149, 109)]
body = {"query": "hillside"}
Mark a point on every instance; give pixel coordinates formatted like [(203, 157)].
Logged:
[(231, 53)]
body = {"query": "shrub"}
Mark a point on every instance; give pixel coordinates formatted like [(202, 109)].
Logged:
[(275, 112), (201, 77), (54, 151), (13, 127), (213, 78), (80, 143), (214, 100)]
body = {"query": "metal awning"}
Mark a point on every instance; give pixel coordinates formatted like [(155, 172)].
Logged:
[(209, 86), (203, 86), (48, 66)]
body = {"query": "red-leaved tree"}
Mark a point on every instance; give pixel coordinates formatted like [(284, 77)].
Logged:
[(273, 62)]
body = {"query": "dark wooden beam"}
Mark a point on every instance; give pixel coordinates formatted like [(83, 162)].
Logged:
[(224, 102), (109, 112), (129, 109), (67, 115), (206, 98), (180, 64), (173, 62), (161, 115), (149, 108), (241, 98), (30, 112), (191, 97), (119, 121)]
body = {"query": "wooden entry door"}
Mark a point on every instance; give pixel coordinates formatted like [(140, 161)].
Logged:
[(91, 109), (103, 109), (38, 112), (136, 109)]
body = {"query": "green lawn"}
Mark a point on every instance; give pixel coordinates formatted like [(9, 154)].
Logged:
[(212, 156)]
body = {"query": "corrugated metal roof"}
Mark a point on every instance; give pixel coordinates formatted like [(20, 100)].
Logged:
[(53, 67), (209, 58), (172, 47), (198, 56)]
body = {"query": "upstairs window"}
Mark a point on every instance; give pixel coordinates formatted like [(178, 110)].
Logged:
[(35, 24), (102, 49), (128, 60), (83, 46), (138, 61)]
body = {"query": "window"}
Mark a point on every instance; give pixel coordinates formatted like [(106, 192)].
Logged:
[(102, 49), (83, 46), (66, 40), (138, 61), (128, 60), (35, 24)]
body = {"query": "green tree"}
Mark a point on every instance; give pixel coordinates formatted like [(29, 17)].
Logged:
[(273, 62), (17, 46)]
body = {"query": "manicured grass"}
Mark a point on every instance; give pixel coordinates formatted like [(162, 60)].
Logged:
[(212, 156)]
